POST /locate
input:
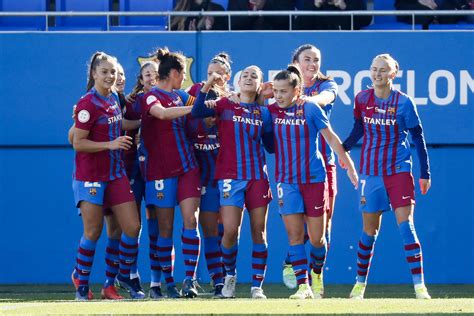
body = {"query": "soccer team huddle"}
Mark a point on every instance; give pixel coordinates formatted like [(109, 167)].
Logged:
[(204, 150)]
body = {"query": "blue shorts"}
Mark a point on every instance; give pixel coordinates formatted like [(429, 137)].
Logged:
[(251, 193), (310, 199), (169, 192), (107, 194), (373, 195), (209, 199)]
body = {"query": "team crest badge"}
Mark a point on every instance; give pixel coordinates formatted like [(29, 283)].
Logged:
[(391, 110), (280, 202), (93, 191), (226, 195), (363, 201), (299, 112), (160, 195), (256, 112), (314, 93)]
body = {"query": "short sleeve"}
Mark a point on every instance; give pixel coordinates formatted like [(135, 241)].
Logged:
[(316, 115), (86, 115), (150, 99), (330, 86), (410, 114)]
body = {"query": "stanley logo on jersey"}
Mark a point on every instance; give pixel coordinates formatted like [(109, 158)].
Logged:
[(188, 82)]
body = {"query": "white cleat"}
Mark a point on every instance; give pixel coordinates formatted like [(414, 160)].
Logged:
[(257, 293), (228, 291), (421, 292), (304, 292), (358, 291)]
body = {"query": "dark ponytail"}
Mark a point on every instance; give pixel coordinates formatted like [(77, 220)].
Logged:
[(293, 74), (96, 59), (168, 61), (296, 55)]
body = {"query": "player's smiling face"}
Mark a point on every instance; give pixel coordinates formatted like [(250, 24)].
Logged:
[(178, 78), (149, 77), (381, 73), (284, 94), (120, 82), (250, 79), (104, 76), (309, 62)]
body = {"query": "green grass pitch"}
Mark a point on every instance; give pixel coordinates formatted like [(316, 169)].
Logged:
[(380, 299)]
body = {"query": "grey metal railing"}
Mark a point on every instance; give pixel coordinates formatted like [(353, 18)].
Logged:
[(230, 14)]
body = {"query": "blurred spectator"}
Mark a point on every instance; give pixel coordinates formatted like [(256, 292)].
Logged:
[(416, 5), (194, 23), (332, 22), (453, 5), (260, 22)]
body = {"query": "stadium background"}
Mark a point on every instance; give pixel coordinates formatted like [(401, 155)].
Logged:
[(44, 74)]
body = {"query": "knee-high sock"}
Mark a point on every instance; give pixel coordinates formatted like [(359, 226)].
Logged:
[(412, 251), (365, 252), (190, 241), (84, 260), (300, 263), (259, 264)]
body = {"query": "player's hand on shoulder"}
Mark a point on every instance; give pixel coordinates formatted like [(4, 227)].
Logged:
[(425, 185), (266, 89), (301, 100), (234, 97), (121, 142), (130, 98), (210, 104)]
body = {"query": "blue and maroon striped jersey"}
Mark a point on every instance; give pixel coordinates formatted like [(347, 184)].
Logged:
[(133, 111), (241, 127), (318, 87), (385, 146), (206, 147), (205, 140), (165, 152), (296, 131), (102, 117)]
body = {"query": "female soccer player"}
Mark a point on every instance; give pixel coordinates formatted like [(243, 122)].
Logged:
[(203, 134), (300, 174), (170, 168), (241, 173), (384, 116), (321, 90), (100, 181), (146, 80)]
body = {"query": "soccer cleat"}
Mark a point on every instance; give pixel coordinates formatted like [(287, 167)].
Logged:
[(110, 293), (289, 278), (126, 284), (304, 292), (155, 293), (317, 285), (137, 284), (421, 292), (358, 291), (189, 289), (75, 281), (228, 291), (172, 292), (257, 293), (218, 291), (82, 293)]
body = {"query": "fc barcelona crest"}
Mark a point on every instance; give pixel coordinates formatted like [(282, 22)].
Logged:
[(256, 112), (226, 195), (363, 201), (280, 202), (160, 195), (299, 112), (93, 191), (391, 110)]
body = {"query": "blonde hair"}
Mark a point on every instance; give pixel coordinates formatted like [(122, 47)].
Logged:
[(392, 63)]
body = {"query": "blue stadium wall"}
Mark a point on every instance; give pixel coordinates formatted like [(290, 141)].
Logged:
[(44, 74)]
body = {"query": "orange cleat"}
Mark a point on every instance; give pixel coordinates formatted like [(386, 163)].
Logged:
[(110, 293), (75, 281)]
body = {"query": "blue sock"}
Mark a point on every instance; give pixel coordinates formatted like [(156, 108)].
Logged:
[(299, 261), (229, 258), (318, 258), (412, 251), (128, 254), (259, 264), (153, 232), (84, 260), (365, 252), (111, 261), (166, 258), (190, 241), (213, 259)]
